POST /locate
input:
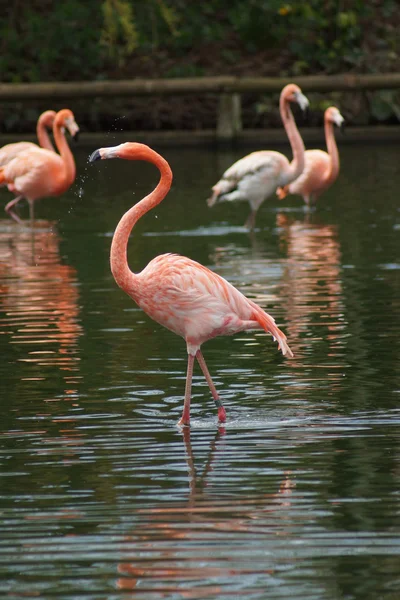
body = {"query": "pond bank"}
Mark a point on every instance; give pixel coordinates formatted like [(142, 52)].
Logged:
[(208, 137)]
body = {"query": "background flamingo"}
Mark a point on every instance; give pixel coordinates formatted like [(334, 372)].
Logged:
[(256, 176), (10, 151), (321, 168), (38, 173), (177, 292)]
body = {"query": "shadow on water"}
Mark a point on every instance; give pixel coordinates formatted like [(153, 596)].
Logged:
[(297, 496)]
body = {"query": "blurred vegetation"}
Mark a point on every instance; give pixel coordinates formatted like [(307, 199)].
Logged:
[(47, 40)]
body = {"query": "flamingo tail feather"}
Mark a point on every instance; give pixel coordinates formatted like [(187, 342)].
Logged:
[(269, 325)]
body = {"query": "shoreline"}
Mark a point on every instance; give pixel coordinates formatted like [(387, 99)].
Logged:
[(256, 138)]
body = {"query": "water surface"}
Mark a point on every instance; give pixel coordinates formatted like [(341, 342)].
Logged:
[(297, 496)]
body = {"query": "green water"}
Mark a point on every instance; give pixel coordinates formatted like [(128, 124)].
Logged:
[(298, 495)]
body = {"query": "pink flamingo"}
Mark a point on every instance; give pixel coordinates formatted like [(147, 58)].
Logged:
[(10, 151), (321, 168), (256, 176), (38, 172), (177, 292)]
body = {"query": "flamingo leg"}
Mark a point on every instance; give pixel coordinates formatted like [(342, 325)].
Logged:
[(310, 203), (206, 373), (31, 211), (251, 220), (12, 214), (185, 419)]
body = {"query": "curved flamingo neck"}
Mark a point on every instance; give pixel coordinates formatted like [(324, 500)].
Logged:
[(65, 153), (125, 278), (332, 151), (42, 133), (296, 167)]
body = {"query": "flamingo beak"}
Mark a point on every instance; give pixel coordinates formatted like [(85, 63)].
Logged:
[(110, 152), (339, 121), (72, 127), (302, 101), (95, 156)]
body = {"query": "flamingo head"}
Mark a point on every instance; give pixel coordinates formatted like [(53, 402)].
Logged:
[(292, 93), (65, 120), (136, 151), (128, 150), (333, 115)]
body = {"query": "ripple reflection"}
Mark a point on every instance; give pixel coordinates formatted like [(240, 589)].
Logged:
[(173, 545), (39, 299)]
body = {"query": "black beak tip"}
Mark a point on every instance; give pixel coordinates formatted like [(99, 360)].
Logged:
[(95, 156), (76, 137)]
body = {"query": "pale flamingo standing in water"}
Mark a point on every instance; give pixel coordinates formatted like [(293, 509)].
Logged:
[(256, 176), (321, 168), (177, 292), (38, 173), (45, 121)]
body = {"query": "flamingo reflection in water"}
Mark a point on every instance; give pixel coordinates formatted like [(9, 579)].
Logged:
[(304, 283), (173, 528), (311, 285), (39, 301)]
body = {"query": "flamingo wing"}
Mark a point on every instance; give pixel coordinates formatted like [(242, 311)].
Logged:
[(256, 161), (10, 151), (252, 178)]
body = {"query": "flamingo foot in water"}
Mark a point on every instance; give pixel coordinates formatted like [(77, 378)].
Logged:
[(251, 220), (184, 421), (221, 414)]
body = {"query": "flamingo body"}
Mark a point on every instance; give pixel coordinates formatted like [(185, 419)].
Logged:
[(312, 182), (256, 176), (321, 168), (196, 303), (38, 173), (10, 151), (177, 292)]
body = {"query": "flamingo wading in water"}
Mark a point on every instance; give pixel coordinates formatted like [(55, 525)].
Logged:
[(38, 173), (321, 168), (177, 292), (10, 151), (256, 176)]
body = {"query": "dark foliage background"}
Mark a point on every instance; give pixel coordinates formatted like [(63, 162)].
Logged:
[(65, 40)]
